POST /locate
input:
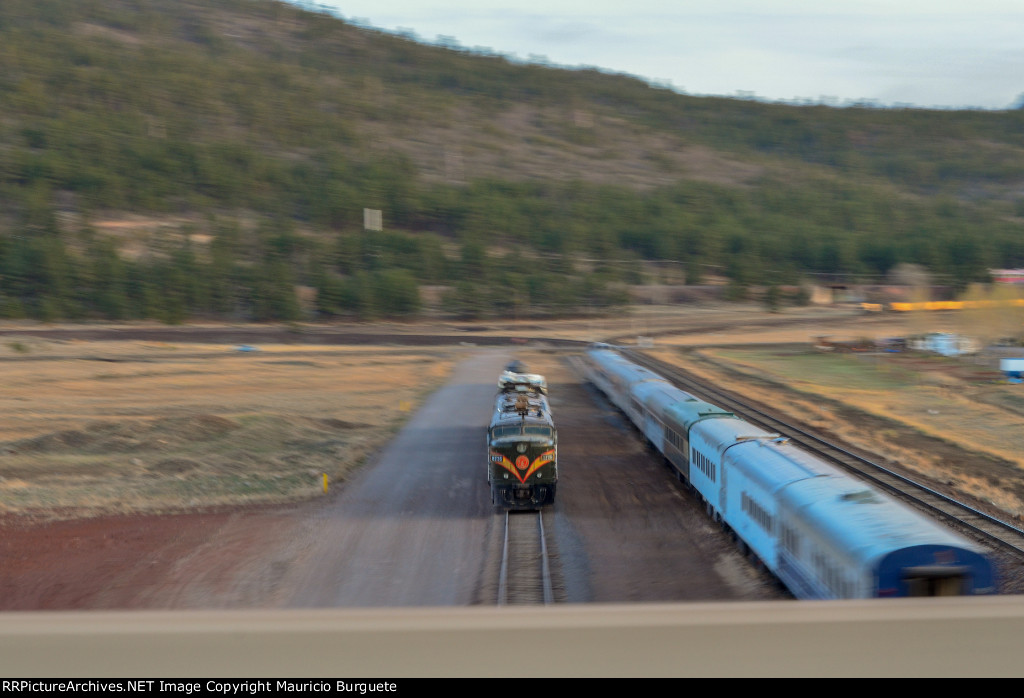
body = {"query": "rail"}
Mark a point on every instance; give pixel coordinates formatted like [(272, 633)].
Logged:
[(525, 576)]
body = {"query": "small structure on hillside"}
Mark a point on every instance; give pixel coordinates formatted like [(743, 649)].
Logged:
[(1007, 276), (945, 343), (1013, 369)]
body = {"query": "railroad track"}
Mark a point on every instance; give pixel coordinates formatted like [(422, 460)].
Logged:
[(525, 576), (986, 527)]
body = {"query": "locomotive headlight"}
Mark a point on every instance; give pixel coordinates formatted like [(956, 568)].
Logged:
[(521, 448)]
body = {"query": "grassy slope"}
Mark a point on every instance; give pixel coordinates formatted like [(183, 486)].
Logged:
[(258, 110)]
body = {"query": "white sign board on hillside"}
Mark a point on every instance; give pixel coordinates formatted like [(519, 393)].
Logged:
[(372, 219)]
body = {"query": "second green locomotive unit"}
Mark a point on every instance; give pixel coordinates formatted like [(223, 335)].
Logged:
[(522, 444)]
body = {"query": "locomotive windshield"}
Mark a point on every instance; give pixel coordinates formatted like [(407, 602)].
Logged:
[(517, 430)]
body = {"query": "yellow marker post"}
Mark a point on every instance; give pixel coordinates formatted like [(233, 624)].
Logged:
[(404, 405), (325, 483)]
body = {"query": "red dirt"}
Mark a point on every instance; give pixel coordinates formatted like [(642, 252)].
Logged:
[(131, 562)]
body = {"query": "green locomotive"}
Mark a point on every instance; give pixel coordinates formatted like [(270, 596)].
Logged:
[(522, 444)]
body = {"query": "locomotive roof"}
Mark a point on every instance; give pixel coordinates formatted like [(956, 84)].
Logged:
[(532, 398), (531, 407), (537, 409), (514, 419), (513, 381), (509, 416)]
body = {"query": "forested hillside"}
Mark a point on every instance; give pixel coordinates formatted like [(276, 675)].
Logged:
[(213, 158)]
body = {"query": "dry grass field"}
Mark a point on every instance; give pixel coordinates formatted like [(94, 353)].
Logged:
[(113, 427)]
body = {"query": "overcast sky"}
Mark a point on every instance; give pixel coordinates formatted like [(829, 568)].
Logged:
[(927, 53)]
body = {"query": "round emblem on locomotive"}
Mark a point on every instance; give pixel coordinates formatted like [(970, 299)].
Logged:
[(522, 462)]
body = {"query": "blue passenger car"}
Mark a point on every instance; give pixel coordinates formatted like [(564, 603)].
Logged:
[(756, 472), (680, 419), (839, 539), (820, 531), (709, 441), (614, 376), (650, 401)]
